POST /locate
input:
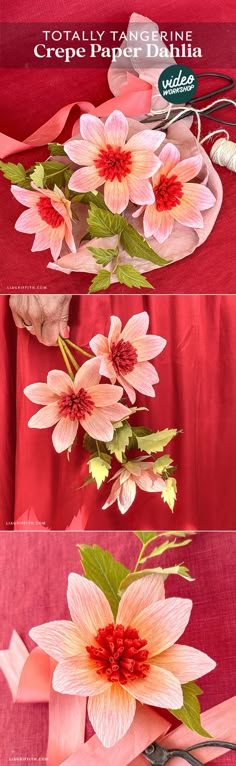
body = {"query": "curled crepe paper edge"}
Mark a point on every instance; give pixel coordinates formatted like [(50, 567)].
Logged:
[(29, 674)]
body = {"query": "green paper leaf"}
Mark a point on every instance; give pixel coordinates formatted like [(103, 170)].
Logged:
[(120, 440), (178, 569), (104, 570), (160, 549), (91, 444), (129, 276), (136, 432), (94, 197), (162, 463), (56, 149), (37, 176), (103, 256), (170, 492), (146, 537), (156, 442), (136, 246), (103, 223), (190, 713), (100, 282), (15, 173), (99, 467)]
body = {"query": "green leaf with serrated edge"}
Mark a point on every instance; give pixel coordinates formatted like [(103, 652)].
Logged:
[(100, 282), (130, 277), (103, 256), (56, 149), (91, 444), (178, 569), (170, 492), (160, 549), (38, 175), (138, 431), (100, 566), (136, 246), (120, 440), (99, 467), (14, 173), (146, 537), (156, 442), (103, 223), (161, 463), (94, 197), (190, 713)]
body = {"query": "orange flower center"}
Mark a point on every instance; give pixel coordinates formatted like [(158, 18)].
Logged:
[(113, 163), (123, 357), (119, 654), (168, 193), (48, 214), (76, 406)]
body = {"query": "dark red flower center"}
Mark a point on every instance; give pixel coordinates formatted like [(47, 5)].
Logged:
[(168, 193), (113, 163), (123, 357), (119, 654), (76, 406), (48, 214)]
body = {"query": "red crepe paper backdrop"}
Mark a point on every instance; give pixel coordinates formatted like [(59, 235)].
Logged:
[(196, 393), (30, 97), (35, 568)]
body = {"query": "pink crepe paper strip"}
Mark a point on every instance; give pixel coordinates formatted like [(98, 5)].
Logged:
[(29, 679)]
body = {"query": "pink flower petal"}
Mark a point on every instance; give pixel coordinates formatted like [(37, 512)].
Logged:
[(45, 417), (116, 412), (142, 377), (25, 197), (77, 675), (29, 222), (163, 623), (157, 224), (136, 327), (150, 482), (147, 139), (131, 393), (81, 152), (189, 168), (70, 239), (88, 607), (60, 382), (59, 639), (88, 375), (85, 179), (41, 240), (140, 190), (106, 368), (64, 434), (169, 156), (126, 495), (116, 195), (56, 239), (99, 344), (115, 330), (138, 596), (160, 688), (187, 214), (104, 394), (185, 662), (149, 347), (199, 195), (92, 129), (111, 714), (98, 425), (112, 497), (144, 164), (116, 129), (40, 393)]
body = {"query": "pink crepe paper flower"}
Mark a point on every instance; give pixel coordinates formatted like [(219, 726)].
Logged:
[(115, 663), (49, 218), (123, 166), (175, 198), (124, 354), (135, 473), (69, 403)]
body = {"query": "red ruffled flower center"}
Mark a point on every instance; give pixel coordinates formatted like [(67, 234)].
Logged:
[(123, 357), (48, 213), (168, 193), (119, 654), (113, 163), (76, 406)]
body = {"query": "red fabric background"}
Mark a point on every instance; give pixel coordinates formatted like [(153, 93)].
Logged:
[(196, 393), (34, 569), (29, 97)]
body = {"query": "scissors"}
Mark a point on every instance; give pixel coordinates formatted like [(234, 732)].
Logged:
[(159, 756), (230, 82)]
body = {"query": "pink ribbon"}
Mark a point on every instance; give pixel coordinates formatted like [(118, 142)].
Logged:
[(134, 98), (29, 679)]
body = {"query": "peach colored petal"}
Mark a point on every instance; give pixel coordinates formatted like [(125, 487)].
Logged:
[(81, 152), (40, 393), (116, 129), (60, 382), (115, 330), (138, 596), (116, 195), (29, 222), (111, 714), (147, 139), (116, 412), (187, 214), (189, 168), (199, 195), (106, 368), (45, 417), (163, 623), (56, 239), (160, 688), (142, 377), (88, 375), (185, 662), (92, 129), (126, 495), (104, 394), (140, 190), (77, 675), (112, 497), (85, 179), (99, 344), (136, 327), (144, 164), (169, 156), (59, 639), (131, 393), (151, 221), (25, 197), (41, 240), (98, 425), (150, 482), (149, 347), (88, 607), (70, 239), (64, 434)]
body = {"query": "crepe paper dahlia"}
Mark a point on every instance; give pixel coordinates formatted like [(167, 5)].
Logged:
[(117, 663), (135, 473), (69, 403), (124, 354), (124, 167), (49, 217), (175, 198)]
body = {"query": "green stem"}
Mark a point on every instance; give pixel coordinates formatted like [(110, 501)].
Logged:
[(98, 450), (78, 348), (70, 356), (65, 358)]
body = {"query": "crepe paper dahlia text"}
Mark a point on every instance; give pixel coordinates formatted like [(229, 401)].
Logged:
[(82, 408)]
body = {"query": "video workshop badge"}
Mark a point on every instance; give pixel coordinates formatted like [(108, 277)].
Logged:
[(177, 84)]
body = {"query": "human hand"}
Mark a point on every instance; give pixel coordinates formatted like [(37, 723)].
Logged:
[(45, 316)]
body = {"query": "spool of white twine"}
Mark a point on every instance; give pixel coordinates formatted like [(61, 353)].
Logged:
[(223, 152)]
